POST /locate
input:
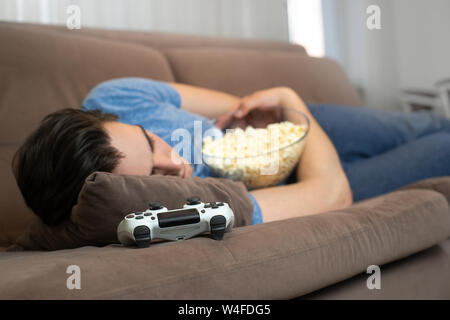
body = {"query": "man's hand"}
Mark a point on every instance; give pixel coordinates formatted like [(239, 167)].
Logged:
[(256, 109)]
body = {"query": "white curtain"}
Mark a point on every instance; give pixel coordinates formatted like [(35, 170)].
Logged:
[(368, 56), (263, 19), (410, 50)]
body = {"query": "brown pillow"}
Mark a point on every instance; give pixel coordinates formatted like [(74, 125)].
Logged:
[(106, 198)]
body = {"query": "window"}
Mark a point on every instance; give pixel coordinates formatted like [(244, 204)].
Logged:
[(306, 25)]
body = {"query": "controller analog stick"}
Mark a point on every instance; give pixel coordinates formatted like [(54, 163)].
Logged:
[(193, 200), (155, 205), (142, 235), (217, 225)]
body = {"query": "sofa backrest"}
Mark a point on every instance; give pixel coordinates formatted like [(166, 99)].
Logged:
[(45, 68)]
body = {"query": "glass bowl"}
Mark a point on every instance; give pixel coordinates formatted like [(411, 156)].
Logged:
[(262, 169)]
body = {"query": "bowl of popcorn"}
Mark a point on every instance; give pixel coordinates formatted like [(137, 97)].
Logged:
[(262, 155)]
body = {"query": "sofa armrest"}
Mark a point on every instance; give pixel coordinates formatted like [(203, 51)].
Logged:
[(441, 185), (276, 260)]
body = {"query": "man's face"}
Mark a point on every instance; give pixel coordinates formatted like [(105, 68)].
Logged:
[(142, 157)]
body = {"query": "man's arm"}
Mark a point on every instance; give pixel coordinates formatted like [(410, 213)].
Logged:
[(322, 184), (205, 102)]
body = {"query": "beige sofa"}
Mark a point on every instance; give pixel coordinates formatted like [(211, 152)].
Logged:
[(45, 68)]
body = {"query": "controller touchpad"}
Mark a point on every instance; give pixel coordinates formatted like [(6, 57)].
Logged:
[(178, 218)]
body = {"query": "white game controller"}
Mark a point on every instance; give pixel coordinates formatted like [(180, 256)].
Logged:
[(157, 222)]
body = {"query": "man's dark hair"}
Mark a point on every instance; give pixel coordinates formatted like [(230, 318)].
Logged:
[(53, 163)]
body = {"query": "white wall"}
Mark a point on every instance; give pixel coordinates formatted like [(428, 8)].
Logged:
[(423, 41), (410, 50), (263, 19)]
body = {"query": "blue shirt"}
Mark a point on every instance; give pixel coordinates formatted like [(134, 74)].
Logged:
[(157, 107)]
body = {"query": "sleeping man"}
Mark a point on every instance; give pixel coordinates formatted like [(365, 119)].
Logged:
[(125, 127)]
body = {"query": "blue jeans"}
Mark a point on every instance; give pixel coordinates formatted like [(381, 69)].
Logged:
[(381, 151)]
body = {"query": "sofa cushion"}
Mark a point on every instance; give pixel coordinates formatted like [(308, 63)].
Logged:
[(43, 71), (165, 41), (276, 260), (243, 71), (106, 198)]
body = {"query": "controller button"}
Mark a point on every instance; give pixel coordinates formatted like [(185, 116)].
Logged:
[(155, 206), (207, 205), (130, 216), (153, 218), (220, 204), (215, 207), (138, 213), (147, 214), (203, 211), (193, 200), (139, 217)]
